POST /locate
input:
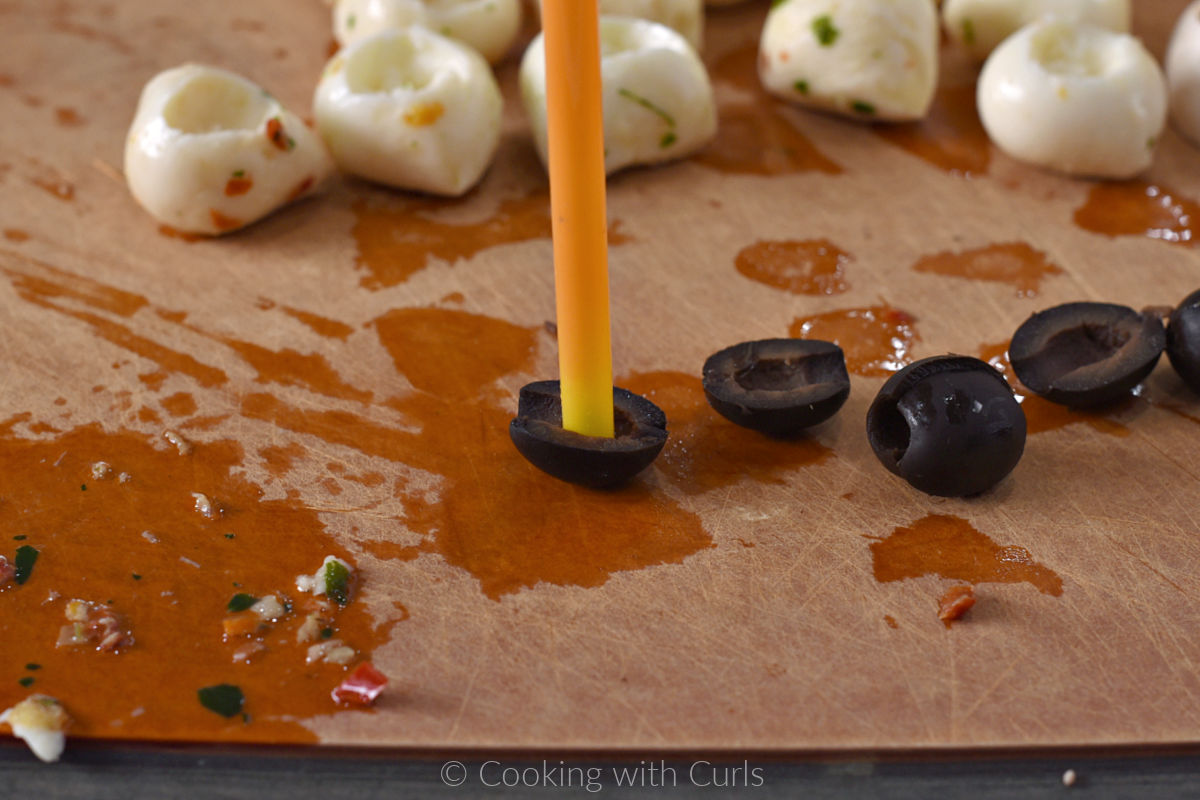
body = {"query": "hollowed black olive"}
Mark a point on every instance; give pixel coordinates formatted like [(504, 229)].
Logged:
[(1183, 340), (949, 425), (777, 386), (1086, 354), (595, 461)]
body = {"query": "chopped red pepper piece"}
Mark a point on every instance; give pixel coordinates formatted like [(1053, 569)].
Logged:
[(362, 687), (275, 133)]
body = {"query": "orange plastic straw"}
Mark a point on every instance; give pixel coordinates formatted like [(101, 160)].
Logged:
[(579, 222)]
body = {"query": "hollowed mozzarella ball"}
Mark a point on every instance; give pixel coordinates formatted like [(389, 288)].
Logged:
[(980, 25), (685, 17), (658, 102), (1074, 98), (410, 109), (1183, 73), (490, 26), (210, 151), (868, 59)]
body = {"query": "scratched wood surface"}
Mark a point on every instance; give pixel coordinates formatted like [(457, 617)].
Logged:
[(770, 630)]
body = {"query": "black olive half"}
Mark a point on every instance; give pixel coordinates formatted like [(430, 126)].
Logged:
[(949, 425), (1086, 354), (1183, 340), (595, 461), (777, 386)]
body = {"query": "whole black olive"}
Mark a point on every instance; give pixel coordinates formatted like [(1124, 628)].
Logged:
[(595, 461), (1183, 340), (949, 425), (777, 386), (1086, 354)]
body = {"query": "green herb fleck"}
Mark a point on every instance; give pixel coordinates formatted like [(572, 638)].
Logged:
[(83, 487), (801, 86), (245, 718), (667, 140), (224, 699), (775, 3), (31, 666), (861, 107), (291, 143), (239, 173), (137, 577), (20, 537), (241, 601), (337, 582), (229, 536), (825, 31), (968, 26), (236, 584), (326, 633), (26, 681), (649, 106), (1151, 142), (26, 557), (350, 22)]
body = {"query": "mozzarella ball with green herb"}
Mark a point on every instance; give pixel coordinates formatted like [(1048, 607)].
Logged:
[(980, 25), (210, 152), (685, 17), (490, 26), (867, 59), (411, 109), (1183, 73), (1074, 98), (658, 102)]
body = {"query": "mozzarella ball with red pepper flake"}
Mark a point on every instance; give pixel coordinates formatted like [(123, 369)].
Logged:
[(980, 25), (490, 26), (1074, 98), (411, 109), (866, 59), (658, 101), (1183, 73), (210, 151)]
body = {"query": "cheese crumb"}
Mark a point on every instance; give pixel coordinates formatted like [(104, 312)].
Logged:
[(207, 508), (181, 444), (101, 470), (1069, 777), (40, 720)]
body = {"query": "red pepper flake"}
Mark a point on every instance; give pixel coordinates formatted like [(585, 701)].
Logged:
[(7, 572), (362, 687), (236, 186), (222, 222), (167, 230), (954, 603), (301, 188), (275, 133)]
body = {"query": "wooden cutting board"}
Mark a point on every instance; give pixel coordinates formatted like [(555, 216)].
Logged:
[(344, 372)]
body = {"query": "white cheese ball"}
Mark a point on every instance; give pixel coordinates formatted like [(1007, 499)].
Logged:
[(1183, 73), (210, 151), (867, 59), (410, 109), (490, 26), (658, 102), (1074, 98), (980, 25), (685, 17)]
